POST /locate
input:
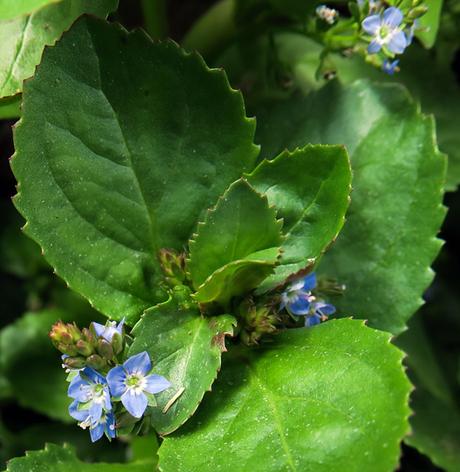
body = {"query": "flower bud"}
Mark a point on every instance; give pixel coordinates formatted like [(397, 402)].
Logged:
[(117, 343), (95, 361), (74, 362), (417, 12), (64, 332), (173, 266), (69, 349), (84, 348), (105, 349)]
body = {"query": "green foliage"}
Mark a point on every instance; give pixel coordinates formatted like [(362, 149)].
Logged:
[(12, 8), (384, 253), (311, 203), (240, 233), (116, 197), (24, 37), (429, 23), (309, 401), (185, 348), (63, 459)]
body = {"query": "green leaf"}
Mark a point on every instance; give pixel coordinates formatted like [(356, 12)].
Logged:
[(171, 136), (63, 459), (435, 430), (32, 365), (428, 24), (329, 398), (430, 78), (384, 253), (23, 38), (238, 277), (186, 349), (310, 189), (12, 8), (435, 423), (240, 224)]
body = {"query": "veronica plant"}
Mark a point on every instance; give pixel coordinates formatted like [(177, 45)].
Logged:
[(139, 177)]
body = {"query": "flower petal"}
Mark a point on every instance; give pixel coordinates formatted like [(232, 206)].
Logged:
[(134, 403), (79, 389), (312, 320), (116, 380), (299, 307), (93, 375), (392, 17), (309, 282), (74, 412), (156, 384), (325, 308), (397, 43), (374, 47), (140, 363), (96, 432), (371, 24), (95, 411), (98, 328), (110, 425)]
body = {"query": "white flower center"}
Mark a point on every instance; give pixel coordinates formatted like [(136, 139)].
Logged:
[(136, 382)]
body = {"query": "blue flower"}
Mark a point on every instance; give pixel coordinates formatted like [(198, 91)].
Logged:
[(131, 382), (91, 395), (319, 312), (108, 330), (298, 300), (106, 423), (386, 31), (297, 297), (390, 67)]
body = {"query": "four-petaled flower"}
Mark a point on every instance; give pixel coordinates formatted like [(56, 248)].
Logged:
[(108, 330), (132, 381), (106, 422), (297, 297), (90, 392), (390, 67), (386, 31), (298, 300)]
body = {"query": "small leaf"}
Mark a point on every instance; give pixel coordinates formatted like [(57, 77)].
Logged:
[(310, 189), (23, 37), (384, 253), (63, 459), (242, 223), (171, 136), (329, 398), (185, 348), (237, 277)]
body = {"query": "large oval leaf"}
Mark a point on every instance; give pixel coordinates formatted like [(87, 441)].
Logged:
[(123, 143), (324, 399), (384, 253)]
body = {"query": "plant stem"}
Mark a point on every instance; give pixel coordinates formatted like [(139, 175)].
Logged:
[(155, 18)]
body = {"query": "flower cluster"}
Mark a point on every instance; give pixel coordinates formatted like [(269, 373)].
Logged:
[(113, 393), (389, 32), (298, 299), (329, 15)]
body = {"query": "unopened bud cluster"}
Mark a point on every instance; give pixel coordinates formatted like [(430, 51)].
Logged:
[(257, 321), (85, 347), (173, 266)]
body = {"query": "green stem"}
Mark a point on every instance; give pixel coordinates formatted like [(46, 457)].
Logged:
[(155, 18), (214, 30)]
